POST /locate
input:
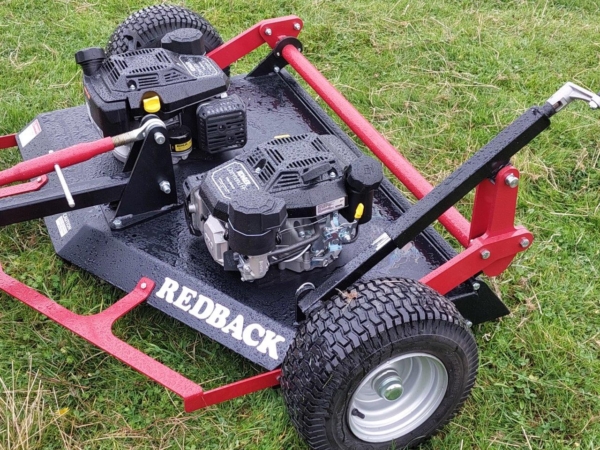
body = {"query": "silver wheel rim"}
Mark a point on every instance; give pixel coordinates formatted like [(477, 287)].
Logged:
[(422, 380)]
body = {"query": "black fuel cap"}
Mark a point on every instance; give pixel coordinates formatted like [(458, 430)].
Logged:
[(185, 41)]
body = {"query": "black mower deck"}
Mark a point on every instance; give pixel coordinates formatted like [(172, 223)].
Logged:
[(163, 249)]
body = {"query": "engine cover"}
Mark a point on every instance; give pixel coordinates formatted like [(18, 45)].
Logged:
[(282, 203), (115, 92)]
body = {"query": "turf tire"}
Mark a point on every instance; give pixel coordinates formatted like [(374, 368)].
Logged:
[(357, 331), (146, 28)]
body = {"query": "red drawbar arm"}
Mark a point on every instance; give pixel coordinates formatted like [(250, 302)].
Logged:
[(44, 164), (97, 329), (454, 222)]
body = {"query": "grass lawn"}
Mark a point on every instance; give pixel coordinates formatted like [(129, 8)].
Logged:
[(439, 79)]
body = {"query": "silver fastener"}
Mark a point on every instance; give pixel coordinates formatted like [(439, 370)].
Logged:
[(278, 54), (388, 385), (511, 181), (268, 31), (117, 223), (276, 69), (485, 254), (165, 186), (469, 324), (143, 285), (297, 26), (38, 179), (332, 174), (159, 138), (476, 286), (301, 234), (525, 242)]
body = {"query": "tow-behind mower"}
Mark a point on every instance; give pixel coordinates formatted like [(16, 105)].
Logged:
[(238, 207)]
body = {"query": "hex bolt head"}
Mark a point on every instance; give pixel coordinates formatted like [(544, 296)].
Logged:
[(511, 181), (143, 285), (117, 223), (165, 186), (469, 324), (268, 31), (301, 234), (159, 138), (524, 243), (332, 174), (476, 286), (485, 254), (297, 26), (276, 69)]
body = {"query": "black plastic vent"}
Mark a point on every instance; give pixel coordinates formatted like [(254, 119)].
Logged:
[(306, 162), (287, 181)]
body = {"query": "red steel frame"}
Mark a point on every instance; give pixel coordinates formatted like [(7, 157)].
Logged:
[(491, 239)]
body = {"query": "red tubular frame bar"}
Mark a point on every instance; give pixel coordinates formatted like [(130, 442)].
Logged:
[(491, 239), (97, 329)]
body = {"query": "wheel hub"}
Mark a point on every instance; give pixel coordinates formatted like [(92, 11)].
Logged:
[(397, 397), (388, 385)]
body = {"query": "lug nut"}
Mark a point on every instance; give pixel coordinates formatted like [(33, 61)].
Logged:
[(165, 186), (511, 181)]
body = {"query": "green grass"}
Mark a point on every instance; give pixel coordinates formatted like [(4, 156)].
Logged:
[(438, 79)]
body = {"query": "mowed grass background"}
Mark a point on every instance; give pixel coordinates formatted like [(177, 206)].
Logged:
[(438, 79)]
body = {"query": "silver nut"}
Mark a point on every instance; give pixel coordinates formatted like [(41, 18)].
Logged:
[(117, 223), (485, 254), (476, 286), (525, 243), (278, 54), (159, 138), (143, 285), (511, 181), (332, 174), (165, 186), (276, 69), (468, 323), (301, 234), (297, 26), (268, 31)]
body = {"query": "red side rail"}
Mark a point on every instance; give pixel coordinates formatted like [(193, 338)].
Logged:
[(8, 141), (97, 329)]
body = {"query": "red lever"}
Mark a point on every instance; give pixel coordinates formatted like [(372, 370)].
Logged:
[(44, 164)]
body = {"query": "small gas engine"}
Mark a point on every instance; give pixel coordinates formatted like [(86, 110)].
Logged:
[(292, 202), (177, 82)]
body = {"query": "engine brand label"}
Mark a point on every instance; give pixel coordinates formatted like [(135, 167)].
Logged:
[(198, 67), (218, 316), (232, 178), (331, 206)]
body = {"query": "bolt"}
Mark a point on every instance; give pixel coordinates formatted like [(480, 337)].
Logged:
[(301, 234), (468, 323), (38, 179), (511, 181), (297, 26), (485, 254), (278, 54), (525, 242), (355, 412), (268, 31), (165, 186), (132, 87), (325, 262), (143, 285), (159, 138), (476, 286), (258, 170), (332, 174), (117, 223), (276, 69)]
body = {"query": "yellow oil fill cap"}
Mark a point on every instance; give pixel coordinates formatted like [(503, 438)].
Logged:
[(152, 104)]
